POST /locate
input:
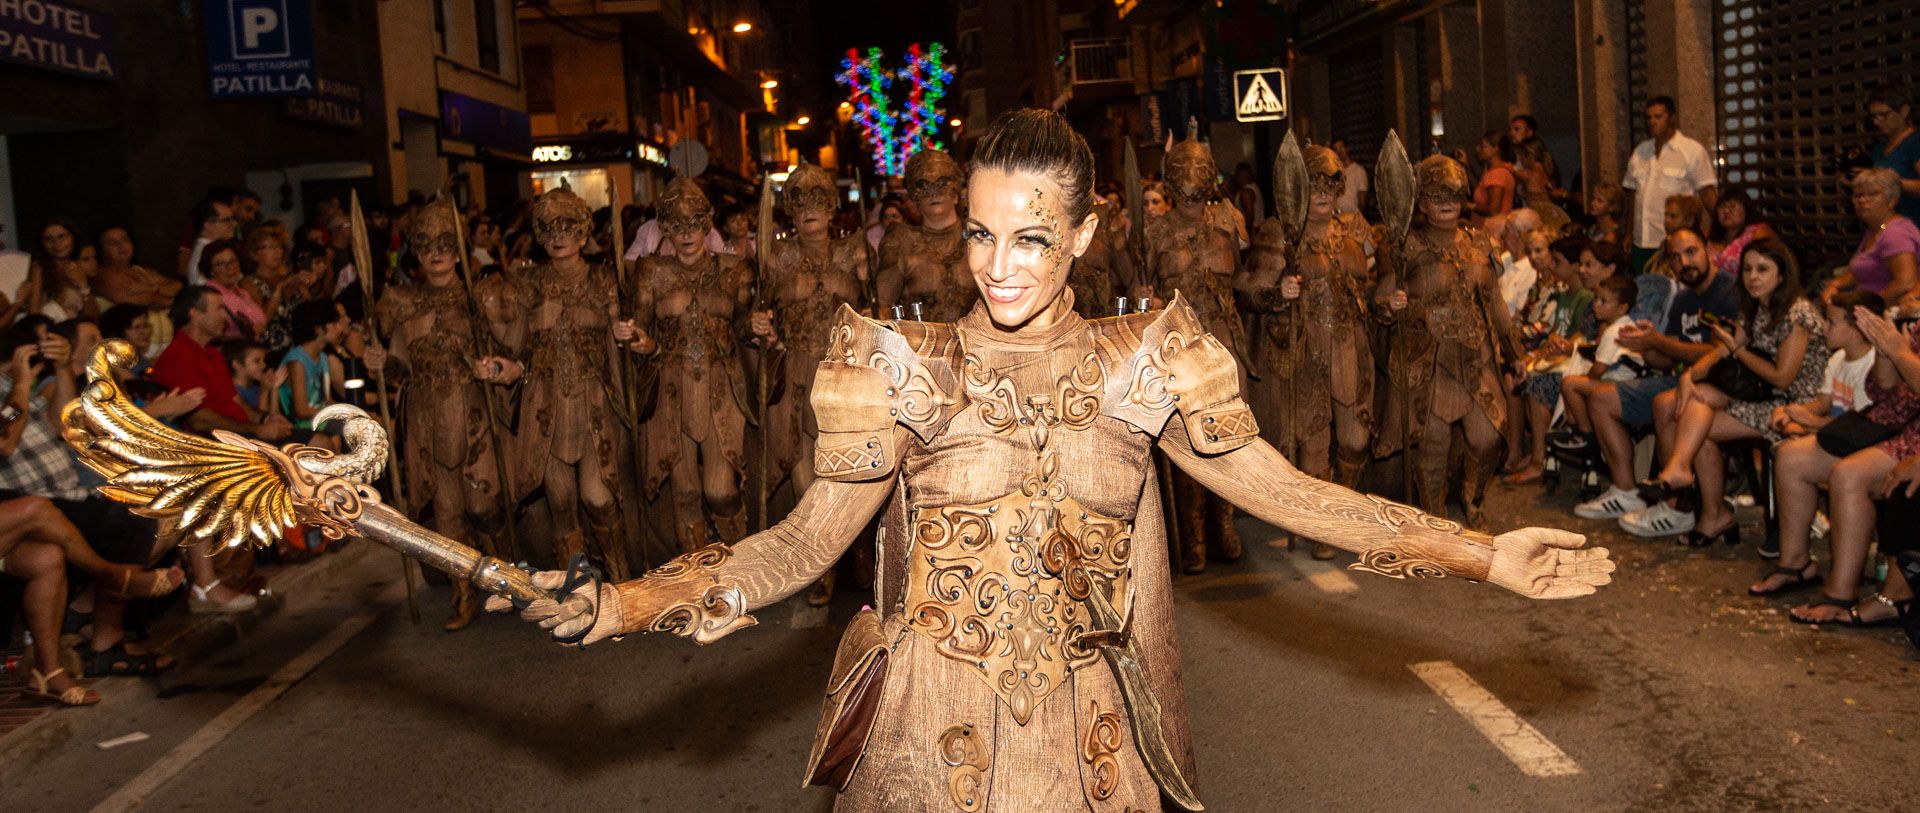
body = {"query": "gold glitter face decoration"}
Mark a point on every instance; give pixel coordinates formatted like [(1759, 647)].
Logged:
[(560, 213), (1019, 248)]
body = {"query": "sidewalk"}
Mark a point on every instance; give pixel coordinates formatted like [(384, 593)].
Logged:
[(30, 729)]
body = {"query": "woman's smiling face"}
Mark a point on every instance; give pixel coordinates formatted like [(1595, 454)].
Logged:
[(1020, 245)]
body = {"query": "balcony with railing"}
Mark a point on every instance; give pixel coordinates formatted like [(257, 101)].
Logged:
[(1100, 61)]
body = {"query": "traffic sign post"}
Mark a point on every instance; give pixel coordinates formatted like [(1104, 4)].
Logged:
[(1260, 94)]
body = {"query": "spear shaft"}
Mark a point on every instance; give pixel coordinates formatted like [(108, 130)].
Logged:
[(363, 268)]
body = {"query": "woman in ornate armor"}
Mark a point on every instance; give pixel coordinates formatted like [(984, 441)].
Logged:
[(809, 276), (1452, 339), (1316, 368), (1021, 653), (690, 307), (450, 434), (555, 318), (1190, 255), (926, 264)]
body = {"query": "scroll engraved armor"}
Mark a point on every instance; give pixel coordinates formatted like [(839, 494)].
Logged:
[(873, 377), (1177, 366), (970, 760), (686, 597), (1105, 737)]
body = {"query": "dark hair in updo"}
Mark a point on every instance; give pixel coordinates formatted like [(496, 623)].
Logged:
[(1041, 142)]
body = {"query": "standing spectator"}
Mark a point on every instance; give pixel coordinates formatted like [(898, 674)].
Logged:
[(212, 220), (1884, 263), (1154, 194), (1495, 194), (1736, 222), (246, 212), (888, 216), (1668, 163), (1523, 132), (1891, 112), (486, 239), (1353, 176), (737, 232)]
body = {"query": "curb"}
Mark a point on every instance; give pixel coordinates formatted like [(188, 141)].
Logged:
[(28, 744)]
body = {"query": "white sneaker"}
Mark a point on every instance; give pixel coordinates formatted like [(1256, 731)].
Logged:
[(1659, 519), (1610, 504)]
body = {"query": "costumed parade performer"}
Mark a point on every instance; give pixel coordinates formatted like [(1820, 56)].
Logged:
[(1020, 654)]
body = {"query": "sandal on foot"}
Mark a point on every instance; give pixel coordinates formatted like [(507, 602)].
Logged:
[(1851, 619), (164, 582), (74, 695), (1883, 621), (1797, 578), (116, 661)]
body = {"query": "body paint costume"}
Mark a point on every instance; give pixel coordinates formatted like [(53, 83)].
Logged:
[(1315, 370), (448, 437), (696, 311), (807, 284), (925, 265), (1191, 255), (1447, 356), (569, 439)]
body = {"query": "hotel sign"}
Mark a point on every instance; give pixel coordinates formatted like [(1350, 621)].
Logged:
[(260, 48), (57, 37)]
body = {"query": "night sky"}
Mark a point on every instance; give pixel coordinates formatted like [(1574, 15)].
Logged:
[(890, 24)]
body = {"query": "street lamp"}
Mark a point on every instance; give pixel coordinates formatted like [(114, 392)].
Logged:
[(955, 123), (770, 84), (803, 120), (742, 27)]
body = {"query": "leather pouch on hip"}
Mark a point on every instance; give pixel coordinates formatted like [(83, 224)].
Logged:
[(853, 701)]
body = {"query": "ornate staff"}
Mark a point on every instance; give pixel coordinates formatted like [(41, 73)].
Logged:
[(1394, 181), (629, 384), (763, 250), (476, 328), (233, 490), (363, 268)]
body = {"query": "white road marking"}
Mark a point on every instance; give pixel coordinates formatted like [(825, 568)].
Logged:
[(228, 721), (1521, 742), (1332, 580)]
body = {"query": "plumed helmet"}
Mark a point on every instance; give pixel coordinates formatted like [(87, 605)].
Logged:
[(684, 208), (1442, 177), (931, 173), (435, 227), (809, 189), (560, 212), (1189, 170)]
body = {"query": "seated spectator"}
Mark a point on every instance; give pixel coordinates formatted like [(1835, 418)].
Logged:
[(274, 279), (1684, 212), (1602, 220), (225, 273), (1736, 222), (1517, 274), (190, 362), (1617, 407), (93, 535), (1777, 342), (1854, 457), (123, 282), (1884, 263), (257, 384), (1611, 362), (1570, 323), (1843, 385), (309, 378), (1897, 503)]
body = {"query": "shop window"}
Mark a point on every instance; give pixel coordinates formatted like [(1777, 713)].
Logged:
[(486, 25)]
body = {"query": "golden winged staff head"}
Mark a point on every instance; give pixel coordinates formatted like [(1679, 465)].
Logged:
[(234, 490)]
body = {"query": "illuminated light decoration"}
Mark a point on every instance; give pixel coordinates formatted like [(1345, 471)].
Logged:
[(742, 27), (895, 132)]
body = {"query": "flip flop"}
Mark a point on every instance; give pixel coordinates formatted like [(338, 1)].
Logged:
[(1797, 579)]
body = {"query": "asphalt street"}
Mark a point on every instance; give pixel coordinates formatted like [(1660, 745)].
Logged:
[(1311, 689)]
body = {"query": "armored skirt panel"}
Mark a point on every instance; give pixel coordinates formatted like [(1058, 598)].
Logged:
[(1030, 495)]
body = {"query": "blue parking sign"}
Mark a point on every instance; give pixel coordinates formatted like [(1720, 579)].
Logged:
[(260, 48)]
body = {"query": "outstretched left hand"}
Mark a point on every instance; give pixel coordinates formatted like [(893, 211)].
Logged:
[(1548, 563)]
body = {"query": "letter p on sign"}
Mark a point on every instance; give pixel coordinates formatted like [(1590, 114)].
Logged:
[(259, 29)]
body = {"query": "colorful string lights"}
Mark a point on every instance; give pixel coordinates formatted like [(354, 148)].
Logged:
[(896, 132)]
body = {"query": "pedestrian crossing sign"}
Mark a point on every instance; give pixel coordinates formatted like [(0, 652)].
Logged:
[(1260, 94)]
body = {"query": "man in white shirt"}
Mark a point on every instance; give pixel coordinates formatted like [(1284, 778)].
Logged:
[(1666, 164), (1354, 195), (215, 221)]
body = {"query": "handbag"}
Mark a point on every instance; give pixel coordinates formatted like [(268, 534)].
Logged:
[(1739, 381), (1850, 433)]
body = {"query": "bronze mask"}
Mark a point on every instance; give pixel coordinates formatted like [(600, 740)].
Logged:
[(932, 173), (560, 213)]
